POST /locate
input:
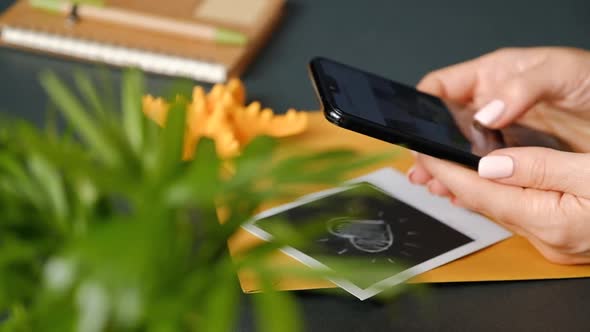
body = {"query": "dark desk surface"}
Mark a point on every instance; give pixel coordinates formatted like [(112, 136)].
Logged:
[(401, 40)]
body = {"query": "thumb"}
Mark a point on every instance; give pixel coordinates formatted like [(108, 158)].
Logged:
[(539, 168), (518, 94)]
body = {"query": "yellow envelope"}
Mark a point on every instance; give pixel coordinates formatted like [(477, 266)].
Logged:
[(511, 259)]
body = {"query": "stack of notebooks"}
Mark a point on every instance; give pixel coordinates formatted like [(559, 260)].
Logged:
[(205, 40)]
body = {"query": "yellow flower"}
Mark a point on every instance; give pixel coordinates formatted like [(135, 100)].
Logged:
[(223, 116), (155, 109)]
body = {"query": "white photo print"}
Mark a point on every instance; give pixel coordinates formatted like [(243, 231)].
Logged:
[(382, 219)]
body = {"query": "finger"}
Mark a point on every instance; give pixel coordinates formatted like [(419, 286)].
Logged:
[(437, 188), (507, 204), (470, 202), (539, 168), (519, 94), (456, 82), (516, 228), (418, 174)]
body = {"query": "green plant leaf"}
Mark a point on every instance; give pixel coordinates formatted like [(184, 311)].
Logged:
[(89, 92), (252, 163), (200, 182), (222, 303), (276, 311), (287, 166), (17, 320), (51, 183), (107, 86), (51, 126), (332, 172), (133, 118), (179, 89), (114, 195), (171, 142), (18, 179), (74, 112)]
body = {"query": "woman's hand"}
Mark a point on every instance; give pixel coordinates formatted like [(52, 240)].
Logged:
[(539, 193), (545, 88)]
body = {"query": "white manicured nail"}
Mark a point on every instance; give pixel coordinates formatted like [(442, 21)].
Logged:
[(495, 167), (488, 114)]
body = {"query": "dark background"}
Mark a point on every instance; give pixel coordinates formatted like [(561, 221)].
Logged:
[(401, 40)]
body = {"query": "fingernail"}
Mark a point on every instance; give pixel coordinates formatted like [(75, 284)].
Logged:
[(488, 114), (414, 153), (495, 167)]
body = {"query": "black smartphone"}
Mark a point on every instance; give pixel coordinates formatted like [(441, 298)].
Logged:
[(381, 108)]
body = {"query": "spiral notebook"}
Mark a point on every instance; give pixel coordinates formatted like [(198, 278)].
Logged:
[(24, 26)]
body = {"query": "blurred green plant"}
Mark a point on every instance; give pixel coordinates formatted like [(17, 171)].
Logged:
[(104, 228)]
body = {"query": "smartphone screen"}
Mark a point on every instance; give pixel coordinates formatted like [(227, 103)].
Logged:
[(413, 118)]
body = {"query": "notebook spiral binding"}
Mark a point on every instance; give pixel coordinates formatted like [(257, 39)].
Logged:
[(115, 55)]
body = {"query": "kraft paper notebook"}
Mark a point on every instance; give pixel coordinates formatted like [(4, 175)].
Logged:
[(510, 259), (31, 28)]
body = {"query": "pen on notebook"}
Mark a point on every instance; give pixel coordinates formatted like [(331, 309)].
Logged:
[(97, 11)]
